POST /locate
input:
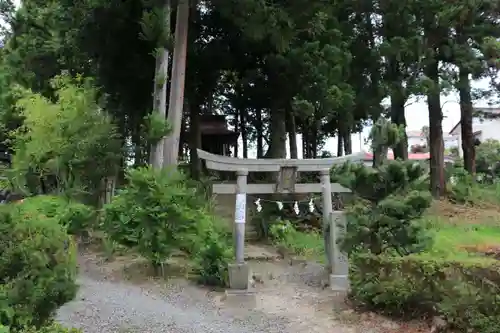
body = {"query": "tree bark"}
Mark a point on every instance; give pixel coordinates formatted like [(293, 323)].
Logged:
[(244, 134), (398, 117), (292, 134), (160, 90), (466, 111), (176, 100), (277, 144), (237, 130), (260, 135), (340, 146), (194, 140), (347, 142), (305, 142), (436, 148)]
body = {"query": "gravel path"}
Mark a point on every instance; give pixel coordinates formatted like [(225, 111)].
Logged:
[(104, 307), (288, 301)]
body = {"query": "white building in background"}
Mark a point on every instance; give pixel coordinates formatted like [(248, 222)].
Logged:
[(418, 138), (485, 125)]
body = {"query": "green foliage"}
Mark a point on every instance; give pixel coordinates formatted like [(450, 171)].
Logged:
[(212, 251), (37, 269), (487, 158), (53, 328), (462, 187), (151, 211), (70, 144), (155, 128), (308, 244), (159, 212), (384, 135), (385, 218), (74, 216), (463, 291)]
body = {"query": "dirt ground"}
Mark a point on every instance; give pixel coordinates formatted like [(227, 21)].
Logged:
[(292, 296)]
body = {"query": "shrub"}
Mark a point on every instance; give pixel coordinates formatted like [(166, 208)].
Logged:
[(160, 211), (464, 291), (212, 252), (53, 328), (37, 269), (385, 217), (461, 187), (66, 144), (487, 158), (72, 215), (153, 213)]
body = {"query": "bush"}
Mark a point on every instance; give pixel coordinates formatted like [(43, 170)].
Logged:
[(74, 216), (37, 268), (66, 144), (464, 291), (53, 328), (156, 213), (212, 252), (385, 217)]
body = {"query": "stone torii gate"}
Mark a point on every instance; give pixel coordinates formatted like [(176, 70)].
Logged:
[(239, 272)]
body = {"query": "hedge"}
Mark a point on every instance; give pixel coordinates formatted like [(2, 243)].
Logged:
[(463, 291)]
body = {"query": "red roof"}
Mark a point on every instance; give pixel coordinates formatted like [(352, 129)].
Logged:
[(390, 156)]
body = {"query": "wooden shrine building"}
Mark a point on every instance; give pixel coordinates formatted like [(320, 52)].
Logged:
[(216, 138)]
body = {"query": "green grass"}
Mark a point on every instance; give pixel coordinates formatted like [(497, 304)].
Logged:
[(309, 245), (450, 239)]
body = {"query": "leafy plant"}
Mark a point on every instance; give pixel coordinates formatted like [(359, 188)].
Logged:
[(74, 216), (309, 244), (64, 146), (464, 291), (37, 269), (212, 252), (385, 217), (53, 328), (155, 127), (153, 212), (487, 158)]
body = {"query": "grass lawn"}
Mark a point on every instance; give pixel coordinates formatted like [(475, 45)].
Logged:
[(309, 245), (461, 231)]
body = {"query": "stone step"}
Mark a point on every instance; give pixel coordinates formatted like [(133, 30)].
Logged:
[(251, 235)]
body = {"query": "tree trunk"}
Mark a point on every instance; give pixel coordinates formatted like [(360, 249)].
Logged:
[(277, 144), (305, 142), (136, 143), (347, 142), (436, 148), (398, 117), (292, 134), (313, 145), (160, 90), (260, 135), (194, 140), (244, 134), (176, 100), (466, 111), (340, 142), (237, 130)]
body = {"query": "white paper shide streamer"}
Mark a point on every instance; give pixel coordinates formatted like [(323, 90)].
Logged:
[(259, 206), (311, 206)]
